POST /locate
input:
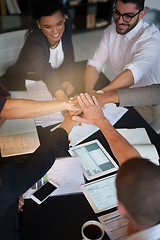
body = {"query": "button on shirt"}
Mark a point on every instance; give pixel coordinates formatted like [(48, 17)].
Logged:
[(138, 50), (152, 233)]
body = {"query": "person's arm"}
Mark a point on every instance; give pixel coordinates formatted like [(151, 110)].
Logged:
[(24, 174), (140, 96), (60, 95), (107, 97), (93, 114), (123, 80), (90, 78), (23, 108)]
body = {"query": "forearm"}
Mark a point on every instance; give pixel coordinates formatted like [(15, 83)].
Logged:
[(123, 80), (21, 108), (120, 147), (40, 161), (90, 78), (107, 97), (67, 124), (60, 95), (141, 96)]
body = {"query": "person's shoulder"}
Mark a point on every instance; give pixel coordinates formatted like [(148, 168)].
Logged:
[(68, 24), (68, 30), (110, 28), (149, 27), (37, 36), (110, 32)]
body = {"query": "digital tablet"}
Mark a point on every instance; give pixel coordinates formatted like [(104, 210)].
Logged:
[(94, 159), (101, 194)]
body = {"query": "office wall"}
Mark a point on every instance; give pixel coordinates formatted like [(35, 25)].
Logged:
[(153, 4)]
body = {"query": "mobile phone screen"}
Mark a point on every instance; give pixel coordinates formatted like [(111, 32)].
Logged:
[(44, 191)]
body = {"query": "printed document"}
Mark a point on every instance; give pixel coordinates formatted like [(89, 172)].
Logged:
[(114, 225), (18, 136), (139, 139), (79, 133), (66, 172), (37, 90)]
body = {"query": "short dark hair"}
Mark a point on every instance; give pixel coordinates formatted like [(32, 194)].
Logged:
[(139, 3), (138, 188), (46, 8)]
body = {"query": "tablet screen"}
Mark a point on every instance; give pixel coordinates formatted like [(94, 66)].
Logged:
[(101, 194), (94, 159)]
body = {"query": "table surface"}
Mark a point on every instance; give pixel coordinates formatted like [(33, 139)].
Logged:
[(61, 217)]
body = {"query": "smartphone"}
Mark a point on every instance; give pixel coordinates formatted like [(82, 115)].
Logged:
[(44, 191)]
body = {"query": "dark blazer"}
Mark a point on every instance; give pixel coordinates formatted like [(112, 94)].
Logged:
[(34, 57), (3, 94), (17, 178)]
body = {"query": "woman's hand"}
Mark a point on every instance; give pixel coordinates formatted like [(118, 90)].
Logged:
[(69, 89), (20, 205)]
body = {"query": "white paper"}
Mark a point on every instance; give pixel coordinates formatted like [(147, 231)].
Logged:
[(37, 90), (111, 112), (148, 151), (135, 135), (18, 136), (67, 173), (114, 225), (19, 94), (139, 139)]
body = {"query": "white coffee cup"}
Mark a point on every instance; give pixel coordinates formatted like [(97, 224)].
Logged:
[(92, 230)]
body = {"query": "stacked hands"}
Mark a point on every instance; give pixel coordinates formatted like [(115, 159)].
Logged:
[(86, 109), (77, 110)]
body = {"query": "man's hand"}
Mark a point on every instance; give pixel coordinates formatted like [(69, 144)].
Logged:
[(91, 92), (92, 111), (107, 97), (72, 105)]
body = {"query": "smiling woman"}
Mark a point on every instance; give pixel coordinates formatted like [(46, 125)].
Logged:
[(48, 51)]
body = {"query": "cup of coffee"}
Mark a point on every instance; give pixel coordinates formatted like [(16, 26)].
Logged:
[(92, 230)]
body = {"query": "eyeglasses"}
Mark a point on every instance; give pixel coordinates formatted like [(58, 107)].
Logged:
[(126, 16)]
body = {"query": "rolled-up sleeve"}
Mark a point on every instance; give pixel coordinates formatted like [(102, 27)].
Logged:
[(101, 54), (147, 55)]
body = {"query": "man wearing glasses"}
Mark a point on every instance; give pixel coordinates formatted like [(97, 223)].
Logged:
[(131, 45)]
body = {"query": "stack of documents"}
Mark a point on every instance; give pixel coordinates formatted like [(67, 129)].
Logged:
[(18, 136), (111, 112), (37, 90), (80, 133), (139, 139), (67, 173), (114, 225)]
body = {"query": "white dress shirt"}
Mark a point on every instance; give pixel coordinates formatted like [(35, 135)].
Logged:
[(152, 233), (138, 50)]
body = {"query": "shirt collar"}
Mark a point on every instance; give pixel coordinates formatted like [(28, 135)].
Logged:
[(155, 230), (131, 34)]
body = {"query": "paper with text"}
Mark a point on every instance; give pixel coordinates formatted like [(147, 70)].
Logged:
[(67, 173), (37, 90), (114, 225), (18, 136), (139, 139), (79, 133)]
